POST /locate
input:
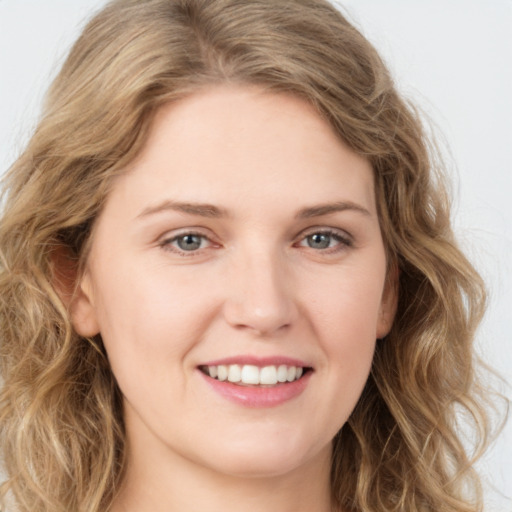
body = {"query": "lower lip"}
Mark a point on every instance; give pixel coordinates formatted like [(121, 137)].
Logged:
[(255, 396)]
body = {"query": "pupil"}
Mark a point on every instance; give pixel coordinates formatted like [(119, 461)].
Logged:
[(319, 241), (189, 242)]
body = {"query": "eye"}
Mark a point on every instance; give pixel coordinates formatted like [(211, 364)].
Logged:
[(325, 239), (186, 242), (320, 240)]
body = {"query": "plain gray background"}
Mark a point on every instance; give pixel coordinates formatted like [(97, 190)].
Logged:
[(452, 57)]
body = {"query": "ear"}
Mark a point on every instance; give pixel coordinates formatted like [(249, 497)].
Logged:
[(389, 302), (75, 291)]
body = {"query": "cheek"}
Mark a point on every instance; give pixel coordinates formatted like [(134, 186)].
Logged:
[(345, 319), (349, 303), (344, 322), (149, 324), (148, 328)]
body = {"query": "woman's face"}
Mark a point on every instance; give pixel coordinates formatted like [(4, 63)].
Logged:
[(243, 243)]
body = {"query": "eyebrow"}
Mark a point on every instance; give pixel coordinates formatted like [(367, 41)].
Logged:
[(213, 212), (329, 208), (201, 209)]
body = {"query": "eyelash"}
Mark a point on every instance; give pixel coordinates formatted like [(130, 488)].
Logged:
[(343, 241), (167, 243)]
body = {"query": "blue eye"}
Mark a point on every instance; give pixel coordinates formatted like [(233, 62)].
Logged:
[(187, 242), (322, 240), (319, 240)]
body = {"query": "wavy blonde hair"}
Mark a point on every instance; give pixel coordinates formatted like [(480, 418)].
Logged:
[(61, 418)]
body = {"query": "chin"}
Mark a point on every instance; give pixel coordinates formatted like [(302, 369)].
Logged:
[(268, 458), (260, 467)]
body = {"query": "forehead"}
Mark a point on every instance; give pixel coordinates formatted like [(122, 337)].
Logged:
[(233, 144)]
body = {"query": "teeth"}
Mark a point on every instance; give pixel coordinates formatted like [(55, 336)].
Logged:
[(291, 374), (282, 373), (234, 373), (268, 375), (254, 375), (222, 372), (250, 374)]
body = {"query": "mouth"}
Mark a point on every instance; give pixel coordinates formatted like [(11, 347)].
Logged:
[(255, 376)]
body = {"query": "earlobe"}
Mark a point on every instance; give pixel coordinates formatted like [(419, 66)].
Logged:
[(75, 292), (389, 303)]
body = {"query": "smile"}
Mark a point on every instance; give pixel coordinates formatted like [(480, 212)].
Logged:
[(257, 381), (252, 375)]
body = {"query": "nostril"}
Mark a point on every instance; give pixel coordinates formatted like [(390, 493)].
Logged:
[(263, 322)]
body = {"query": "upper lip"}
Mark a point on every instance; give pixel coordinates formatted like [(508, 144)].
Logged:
[(258, 361)]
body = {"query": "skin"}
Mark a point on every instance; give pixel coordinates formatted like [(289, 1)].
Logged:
[(257, 285)]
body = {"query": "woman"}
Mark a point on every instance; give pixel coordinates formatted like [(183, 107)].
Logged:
[(229, 277)]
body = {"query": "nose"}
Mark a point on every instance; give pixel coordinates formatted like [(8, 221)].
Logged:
[(260, 297)]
